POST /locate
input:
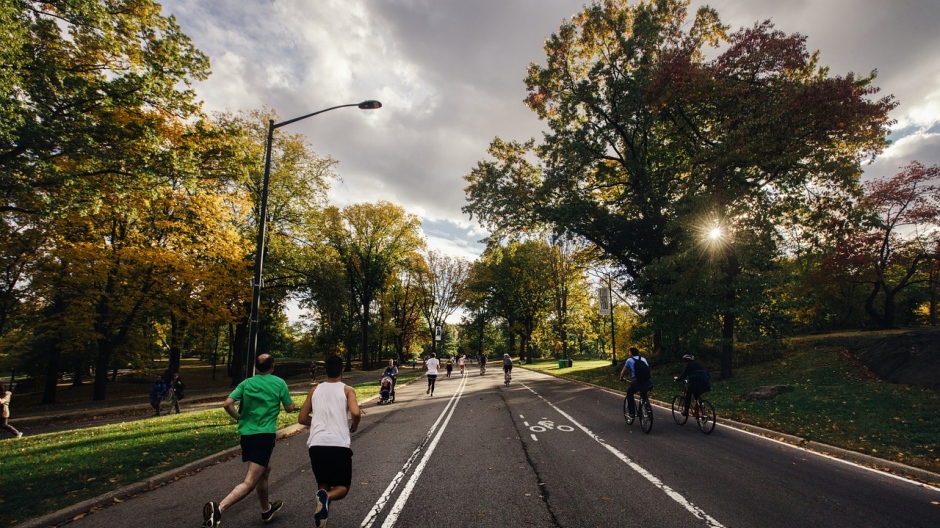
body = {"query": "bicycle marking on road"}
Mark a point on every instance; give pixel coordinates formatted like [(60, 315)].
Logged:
[(427, 446), (547, 425), (671, 493)]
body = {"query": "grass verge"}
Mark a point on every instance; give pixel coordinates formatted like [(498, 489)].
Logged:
[(47, 472), (834, 401)]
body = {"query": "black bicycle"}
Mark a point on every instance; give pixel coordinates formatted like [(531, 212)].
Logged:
[(643, 408), (702, 410)]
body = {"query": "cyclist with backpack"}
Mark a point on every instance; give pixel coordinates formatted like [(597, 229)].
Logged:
[(700, 381), (641, 378)]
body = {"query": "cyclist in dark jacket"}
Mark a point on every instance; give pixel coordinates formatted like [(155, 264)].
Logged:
[(699, 380)]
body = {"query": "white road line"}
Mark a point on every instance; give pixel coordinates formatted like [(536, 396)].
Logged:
[(409, 487), (671, 493)]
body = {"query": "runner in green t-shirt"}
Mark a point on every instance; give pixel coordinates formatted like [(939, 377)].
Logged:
[(261, 397)]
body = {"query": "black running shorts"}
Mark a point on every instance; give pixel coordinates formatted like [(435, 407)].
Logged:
[(332, 466), (258, 448)]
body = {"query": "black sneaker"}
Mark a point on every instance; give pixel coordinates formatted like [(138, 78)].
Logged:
[(323, 509), (268, 515), (211, 515)]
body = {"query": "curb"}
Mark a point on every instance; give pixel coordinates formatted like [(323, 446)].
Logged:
[(69, 513)]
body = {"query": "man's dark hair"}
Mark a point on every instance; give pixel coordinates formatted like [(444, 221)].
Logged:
[(264, 365), (634, 351), (334, 366)]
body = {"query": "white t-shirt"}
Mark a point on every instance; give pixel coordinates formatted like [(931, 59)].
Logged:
[(432, 365), (461, 361), (329, 425)]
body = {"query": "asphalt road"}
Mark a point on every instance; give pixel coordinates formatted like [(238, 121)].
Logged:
[(544, 452)]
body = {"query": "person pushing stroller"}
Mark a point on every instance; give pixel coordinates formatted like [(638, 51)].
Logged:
[(387, 385)]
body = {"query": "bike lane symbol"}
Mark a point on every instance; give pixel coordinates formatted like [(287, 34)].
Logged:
[(544, 425)]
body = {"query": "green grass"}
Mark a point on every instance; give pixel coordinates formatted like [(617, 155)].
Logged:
[(834, 401), (44, 473)]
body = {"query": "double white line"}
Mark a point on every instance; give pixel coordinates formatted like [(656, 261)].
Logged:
[(427, 447)]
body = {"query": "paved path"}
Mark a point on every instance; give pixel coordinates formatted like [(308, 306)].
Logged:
[(540, 452)]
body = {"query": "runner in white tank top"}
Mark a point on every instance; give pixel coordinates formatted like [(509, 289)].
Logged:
[(331, 428)]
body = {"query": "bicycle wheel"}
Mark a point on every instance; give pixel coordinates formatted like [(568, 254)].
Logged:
[(646, 416), (678, 403), (626, 410), (706, 417)]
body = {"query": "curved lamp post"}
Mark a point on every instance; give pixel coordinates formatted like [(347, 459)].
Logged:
[(257, 282)]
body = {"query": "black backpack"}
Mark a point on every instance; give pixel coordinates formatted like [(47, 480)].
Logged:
[(641, 371)]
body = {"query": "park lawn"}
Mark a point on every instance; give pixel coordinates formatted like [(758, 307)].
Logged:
[(834, 400), (46, 472)]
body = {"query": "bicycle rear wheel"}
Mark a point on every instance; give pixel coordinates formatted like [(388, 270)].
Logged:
[(706, 417), (678, 404), (626, 410), (646, 416)]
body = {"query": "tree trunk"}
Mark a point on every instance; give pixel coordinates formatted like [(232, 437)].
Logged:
[(727, 344), (177, 335), (239, 352), (870, 305), (52, 374), (889, 308), (102, 361), (728, 318), (79, 373)]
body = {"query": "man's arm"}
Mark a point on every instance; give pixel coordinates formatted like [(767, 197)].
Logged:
[(229, 407), (685, 372), (306, 409), (623, 372), (353, 406)]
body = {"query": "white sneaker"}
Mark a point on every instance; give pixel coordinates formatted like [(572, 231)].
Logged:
[(19, 434)]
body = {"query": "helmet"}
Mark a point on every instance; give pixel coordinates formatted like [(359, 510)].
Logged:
[(505, 355), (688, 357)]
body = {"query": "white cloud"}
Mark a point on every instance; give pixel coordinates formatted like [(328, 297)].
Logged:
[(450, 76)]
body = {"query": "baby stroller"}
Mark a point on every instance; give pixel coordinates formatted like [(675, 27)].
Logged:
[(387, 391)]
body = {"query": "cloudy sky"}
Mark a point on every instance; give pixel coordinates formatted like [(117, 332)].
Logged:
[(450, 74)]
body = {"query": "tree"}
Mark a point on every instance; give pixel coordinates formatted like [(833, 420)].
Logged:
[(443, 281), (512, 279), (566, 266), (647, 136), (373, 241), (403, 300), (897, 241)]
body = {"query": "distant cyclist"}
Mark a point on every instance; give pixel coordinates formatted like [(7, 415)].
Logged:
[(700, 381), (507, 368), (462, 362), (641, 380), (482, 360)]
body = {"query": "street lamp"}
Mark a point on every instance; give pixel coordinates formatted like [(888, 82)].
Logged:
[(257, 282)]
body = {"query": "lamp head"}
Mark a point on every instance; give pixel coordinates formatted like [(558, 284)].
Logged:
[(370, 105)]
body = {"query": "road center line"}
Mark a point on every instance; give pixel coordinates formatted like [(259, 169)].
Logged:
[(406, 492), (671, 493)]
